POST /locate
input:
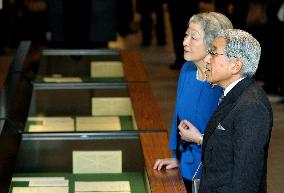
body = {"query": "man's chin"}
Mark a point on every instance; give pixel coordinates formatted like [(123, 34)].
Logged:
[(210, 81)]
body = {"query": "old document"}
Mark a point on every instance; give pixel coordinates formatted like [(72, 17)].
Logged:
[(40, 190), (52, 124), (43, 181), (61, 183), (106, 69), (103, 106), (62, 79), (104, 186), (85, 162), (101, 192), (28, 179), (98, 123)]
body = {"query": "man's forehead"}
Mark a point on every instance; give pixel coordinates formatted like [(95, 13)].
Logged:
[(218, 43)]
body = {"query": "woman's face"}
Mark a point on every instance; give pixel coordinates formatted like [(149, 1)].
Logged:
[(194, 44)]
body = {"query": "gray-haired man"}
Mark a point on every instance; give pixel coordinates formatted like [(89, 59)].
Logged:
[(236, 139)]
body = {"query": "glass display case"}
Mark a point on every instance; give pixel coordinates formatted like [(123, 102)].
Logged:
[(79, 108), (96, 161), (12, 79), (63, 126), (10, 138), (98, 65)]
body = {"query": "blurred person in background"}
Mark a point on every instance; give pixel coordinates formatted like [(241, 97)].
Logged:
[(146, 8)]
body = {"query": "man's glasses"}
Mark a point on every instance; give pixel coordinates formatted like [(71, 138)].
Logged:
[(214, 53)]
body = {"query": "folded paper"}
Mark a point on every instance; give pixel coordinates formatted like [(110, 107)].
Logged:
[(49, 183), (99, 123), (85, 162), (106, 69), (27, 179), (111, 106), (51, 124), (40, 190), (103, 186), (101, 192), (62, 79)]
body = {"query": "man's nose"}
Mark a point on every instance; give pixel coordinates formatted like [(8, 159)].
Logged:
[(207, 58)]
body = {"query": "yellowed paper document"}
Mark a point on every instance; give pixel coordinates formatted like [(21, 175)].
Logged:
[(40, 190), (106, 69), (104, 186), (113, 106), (99, 123), (62, 79), (27, 179), (52, 124), (86, 162), (56, 183), (101, 192)]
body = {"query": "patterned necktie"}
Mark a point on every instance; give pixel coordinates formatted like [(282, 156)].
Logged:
[(221, 98)]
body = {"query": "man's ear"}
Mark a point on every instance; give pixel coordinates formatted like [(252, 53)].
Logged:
[(238, 65)]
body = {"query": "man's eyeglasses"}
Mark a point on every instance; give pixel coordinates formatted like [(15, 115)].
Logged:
[(214, 53)]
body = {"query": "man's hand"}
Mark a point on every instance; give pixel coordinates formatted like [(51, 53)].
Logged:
[(189, 132)]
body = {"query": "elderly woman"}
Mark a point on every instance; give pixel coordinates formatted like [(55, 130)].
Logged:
[(196, 99)]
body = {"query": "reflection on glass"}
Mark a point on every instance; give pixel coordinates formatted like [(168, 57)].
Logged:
[(71, 66), (52, 163), (80, 110)]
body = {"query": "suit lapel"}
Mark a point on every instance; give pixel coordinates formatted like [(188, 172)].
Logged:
[(227, 104)]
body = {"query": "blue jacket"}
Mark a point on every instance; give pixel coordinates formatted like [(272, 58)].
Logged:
[(196, 101)]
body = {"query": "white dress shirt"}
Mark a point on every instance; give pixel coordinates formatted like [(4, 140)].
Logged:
[(231, 86)]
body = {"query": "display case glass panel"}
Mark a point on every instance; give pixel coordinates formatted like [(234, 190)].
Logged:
[(80, 66), (80, 108), (9, 143), (52, 158)]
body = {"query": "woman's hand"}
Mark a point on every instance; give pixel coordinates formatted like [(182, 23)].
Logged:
[(169, 163), (189, 132)]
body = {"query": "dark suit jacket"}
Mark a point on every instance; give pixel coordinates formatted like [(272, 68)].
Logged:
[(236, 140)]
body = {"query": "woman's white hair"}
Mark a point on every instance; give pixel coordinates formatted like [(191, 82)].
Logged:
[(211, 23)]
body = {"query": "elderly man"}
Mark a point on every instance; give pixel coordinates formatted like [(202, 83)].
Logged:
[(236, 139)]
